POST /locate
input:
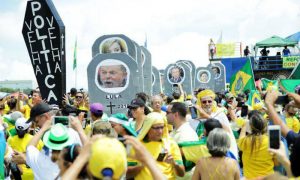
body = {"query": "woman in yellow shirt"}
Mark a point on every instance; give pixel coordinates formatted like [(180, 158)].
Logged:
[(257, 160)]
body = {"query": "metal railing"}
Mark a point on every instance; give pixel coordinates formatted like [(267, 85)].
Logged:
[(267, 63)]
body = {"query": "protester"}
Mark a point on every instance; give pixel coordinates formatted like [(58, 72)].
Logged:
[(176, 115), (218, 166), (121, 125), (291, 137), (154, 136), (156, 104), (257, 160), (207, 109), (139, 111), (286, 51), (18, 143), (96, 110)]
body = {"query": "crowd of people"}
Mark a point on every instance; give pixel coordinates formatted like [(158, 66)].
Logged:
[(205, 135)]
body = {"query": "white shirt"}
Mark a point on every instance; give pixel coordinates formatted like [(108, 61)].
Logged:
[(184, 133), (41, 164), (222, 118)]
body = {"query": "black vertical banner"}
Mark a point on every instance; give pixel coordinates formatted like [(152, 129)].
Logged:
[(44, 35)]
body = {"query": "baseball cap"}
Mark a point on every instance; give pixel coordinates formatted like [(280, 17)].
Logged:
[(57, 137), (103, 127), (12, 118), (37, 110), (108, 158), (96, 108), (21, 124), (135, 103)]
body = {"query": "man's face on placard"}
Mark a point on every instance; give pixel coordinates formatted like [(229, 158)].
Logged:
[(175, 72), (112, 76)]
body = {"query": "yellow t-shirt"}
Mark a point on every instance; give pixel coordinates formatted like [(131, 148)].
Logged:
[(167, 169), (19, 144), (260, 162), (26, 111), (293, 123), (83, 108), (6, 109), (181, 99)]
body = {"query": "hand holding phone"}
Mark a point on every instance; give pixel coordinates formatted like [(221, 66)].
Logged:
[(274, 136), (61, 119), (282, 100)]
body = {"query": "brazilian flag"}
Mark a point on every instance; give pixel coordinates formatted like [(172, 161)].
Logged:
[(267, 83), (254, 98), (290, 84), (242, 80)]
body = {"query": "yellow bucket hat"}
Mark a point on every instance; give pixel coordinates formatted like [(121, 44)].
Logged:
[(108, 159)]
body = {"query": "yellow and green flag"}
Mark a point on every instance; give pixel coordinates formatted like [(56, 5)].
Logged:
[(75, 56), (290, 84), (254, 100), (267, 83), (242, 80)]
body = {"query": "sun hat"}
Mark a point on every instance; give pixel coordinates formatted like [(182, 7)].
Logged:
[(108, 159), (57, 137), (120, 118)]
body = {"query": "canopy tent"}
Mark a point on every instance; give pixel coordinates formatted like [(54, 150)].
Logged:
[(294, 37), (275, 41)]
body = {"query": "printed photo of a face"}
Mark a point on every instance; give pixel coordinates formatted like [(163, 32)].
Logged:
[(113, 45), (112, 76), (216, 71), (175, 74), (203, 76)]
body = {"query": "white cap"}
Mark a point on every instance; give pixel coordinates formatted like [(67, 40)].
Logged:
[(21, 124)]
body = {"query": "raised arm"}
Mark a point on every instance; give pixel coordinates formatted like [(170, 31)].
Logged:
[(273, 115)]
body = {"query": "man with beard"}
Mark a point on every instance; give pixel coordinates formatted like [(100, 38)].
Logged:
[(207, 109), (18, 143), (112, 76)]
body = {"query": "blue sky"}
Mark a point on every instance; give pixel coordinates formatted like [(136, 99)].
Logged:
[(175, 29)]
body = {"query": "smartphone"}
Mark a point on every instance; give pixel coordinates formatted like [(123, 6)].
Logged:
[(274, 136), (161, 157), (282, 100), (61, 119), (244, 111), (240, 104), (193, 111)]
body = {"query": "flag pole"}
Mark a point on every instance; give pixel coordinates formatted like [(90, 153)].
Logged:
[(75, 62)]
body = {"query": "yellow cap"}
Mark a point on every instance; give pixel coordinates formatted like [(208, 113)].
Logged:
[(108, 153)]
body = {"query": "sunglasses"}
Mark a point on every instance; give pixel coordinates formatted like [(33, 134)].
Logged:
[(78, 96), (207, 101), (157, 127)]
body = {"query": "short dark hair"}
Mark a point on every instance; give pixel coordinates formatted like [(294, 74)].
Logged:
[(180, 108), (143, 96), (37, 92), (211, 124), (176, 94)]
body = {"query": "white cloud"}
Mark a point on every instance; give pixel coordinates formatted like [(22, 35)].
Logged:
[(175, 29)]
